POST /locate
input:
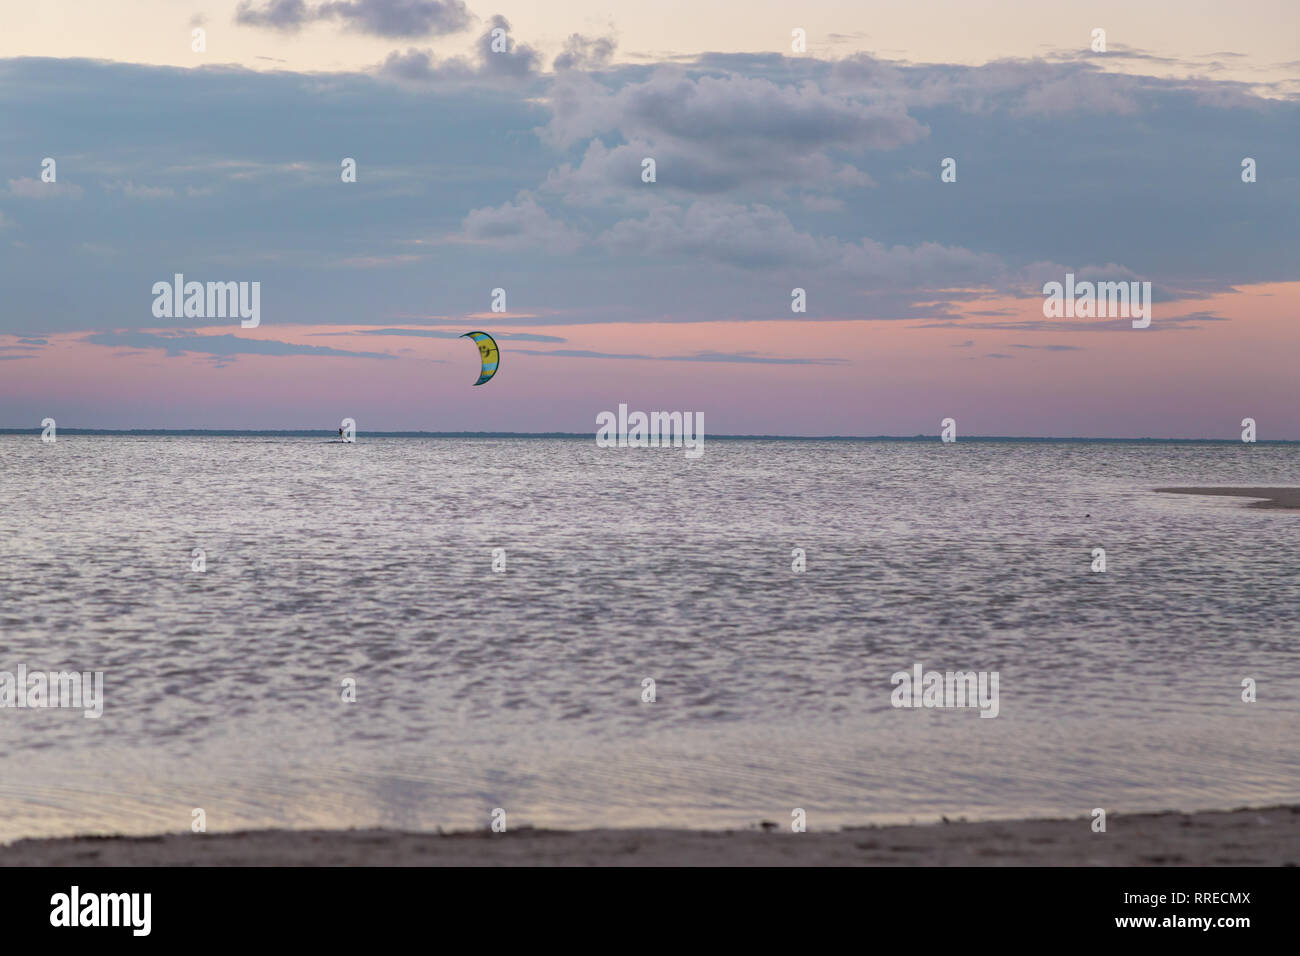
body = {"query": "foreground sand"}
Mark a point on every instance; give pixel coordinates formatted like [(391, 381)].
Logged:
[(1273, 497), (1264, 837)]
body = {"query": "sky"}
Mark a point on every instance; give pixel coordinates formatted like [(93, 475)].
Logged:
[(776, 169)]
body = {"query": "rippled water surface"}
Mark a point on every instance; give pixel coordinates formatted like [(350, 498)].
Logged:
[(522, 689)]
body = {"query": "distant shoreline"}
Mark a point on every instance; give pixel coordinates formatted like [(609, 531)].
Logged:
[(1268, 836), (35, 430)]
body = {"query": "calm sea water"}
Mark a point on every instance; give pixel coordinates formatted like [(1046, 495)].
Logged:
[(522, 690)]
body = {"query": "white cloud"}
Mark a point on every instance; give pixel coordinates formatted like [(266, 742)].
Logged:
[(762, 238), (585, 53), (519, 224), (385, 18), (518, 61), (714, 134)]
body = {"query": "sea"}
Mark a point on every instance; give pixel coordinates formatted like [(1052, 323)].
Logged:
[(430, 632)]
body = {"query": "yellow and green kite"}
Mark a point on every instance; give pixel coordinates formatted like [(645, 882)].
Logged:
[(488, 352)]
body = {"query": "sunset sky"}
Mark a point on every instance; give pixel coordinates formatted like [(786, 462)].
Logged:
[(775, 169)]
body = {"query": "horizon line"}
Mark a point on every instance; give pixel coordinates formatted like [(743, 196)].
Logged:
[(317, 432)]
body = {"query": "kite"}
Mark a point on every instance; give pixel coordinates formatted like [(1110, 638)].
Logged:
[(488, 352)]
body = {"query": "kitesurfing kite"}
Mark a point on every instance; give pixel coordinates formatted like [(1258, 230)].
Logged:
[(488, 351)]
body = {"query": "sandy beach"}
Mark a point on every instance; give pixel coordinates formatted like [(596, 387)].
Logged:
[(1283, 499), (1246, 837)]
